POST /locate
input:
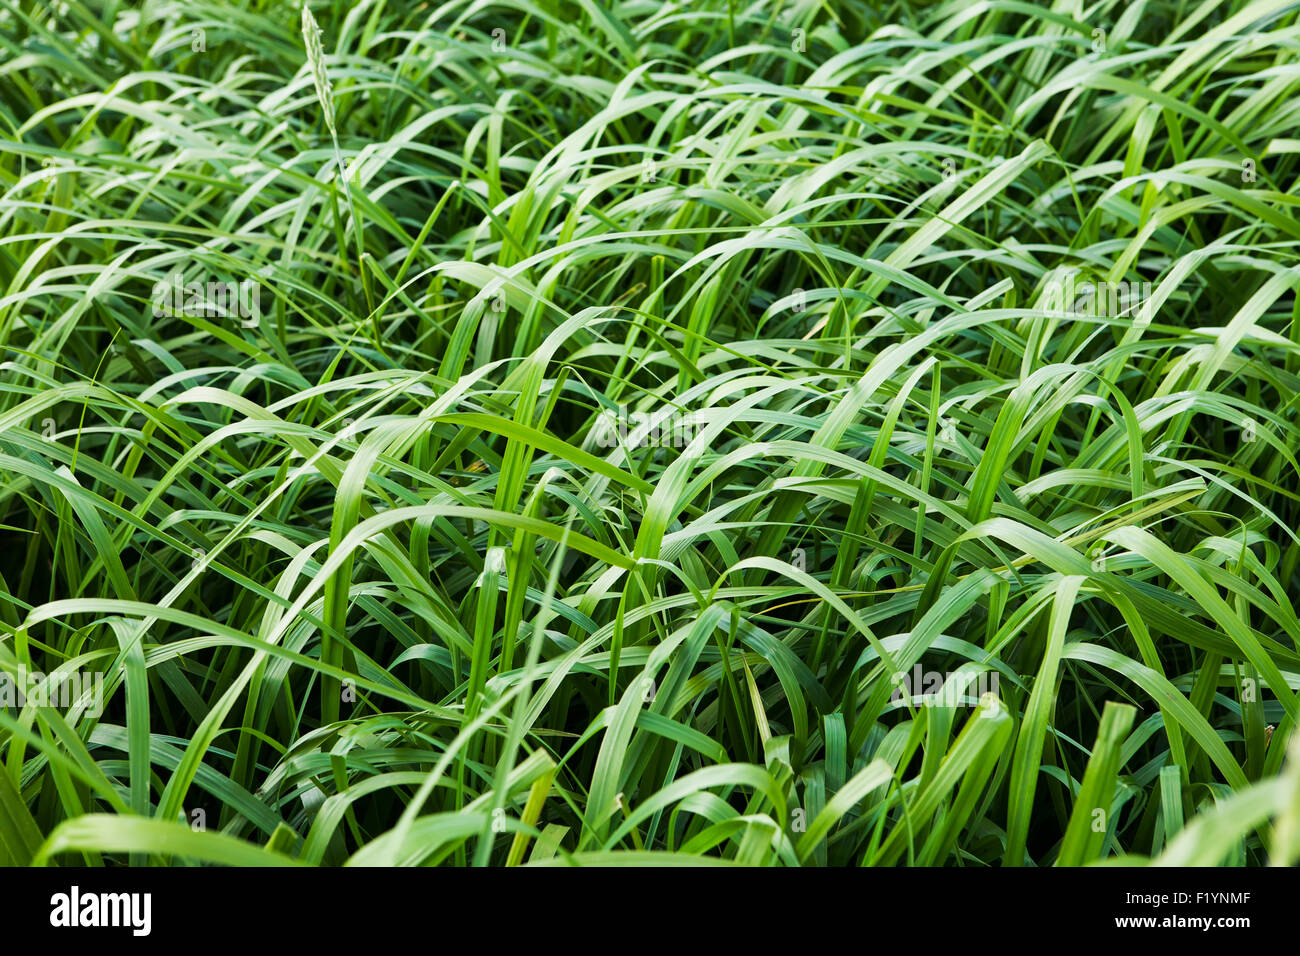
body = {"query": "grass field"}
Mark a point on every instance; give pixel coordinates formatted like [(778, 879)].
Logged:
[(553, 431)]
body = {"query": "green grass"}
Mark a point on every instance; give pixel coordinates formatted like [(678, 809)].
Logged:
[(372, 575)]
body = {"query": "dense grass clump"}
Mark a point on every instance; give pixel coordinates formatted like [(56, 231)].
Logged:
[(769, 433)]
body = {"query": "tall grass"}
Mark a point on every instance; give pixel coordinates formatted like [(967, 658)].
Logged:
[(551, 432)]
